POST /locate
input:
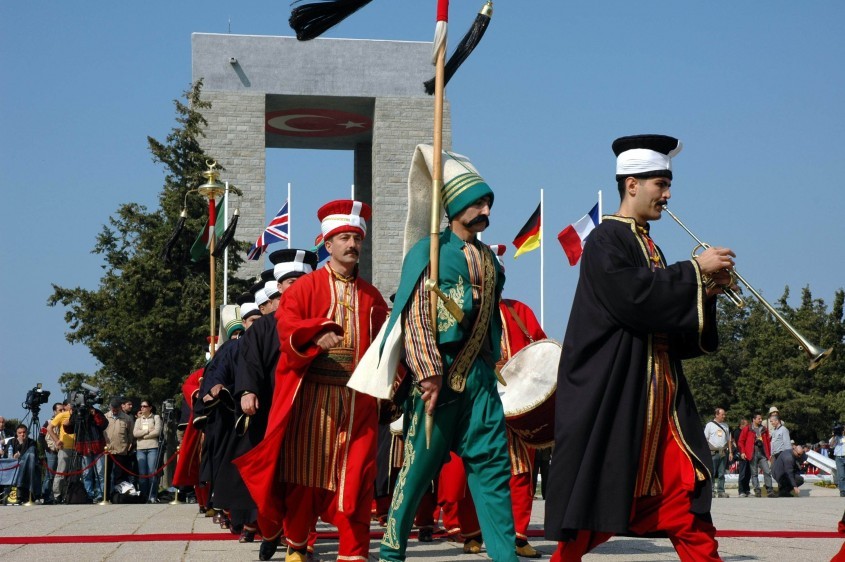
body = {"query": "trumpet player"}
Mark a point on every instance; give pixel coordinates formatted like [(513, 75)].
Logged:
[(621, 392)]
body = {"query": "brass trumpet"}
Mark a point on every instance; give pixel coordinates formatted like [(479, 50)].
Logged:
[(816, 354)]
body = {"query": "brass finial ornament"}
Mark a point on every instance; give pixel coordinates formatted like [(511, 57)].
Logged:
[(212, 187)]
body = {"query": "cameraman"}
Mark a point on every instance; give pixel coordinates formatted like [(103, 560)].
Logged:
[(837, 447), (89, 423)]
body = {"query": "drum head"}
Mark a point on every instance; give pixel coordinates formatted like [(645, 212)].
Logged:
[(531, 377)]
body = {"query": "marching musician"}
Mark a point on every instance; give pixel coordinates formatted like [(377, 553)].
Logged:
[(453, 362), (253, 392), (318, 453), (623, 405)]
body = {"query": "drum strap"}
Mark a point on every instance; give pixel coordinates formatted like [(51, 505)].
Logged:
[(519, 322), (457, 377)]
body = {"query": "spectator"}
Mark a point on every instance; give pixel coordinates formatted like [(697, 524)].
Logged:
[(64, 443), (5, 437), (50, 457), (118, 444), (787, 471), (837, 447), (742, 463), (780, 436), (755, 444), (718, 437), (127, 407), (28, 473), (146, 432), (90, 444)]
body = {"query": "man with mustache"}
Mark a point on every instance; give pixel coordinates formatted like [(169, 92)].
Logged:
[(318, 453), (624, 408), (452, 362)]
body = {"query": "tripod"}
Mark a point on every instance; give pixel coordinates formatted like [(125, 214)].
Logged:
[(166, 423)]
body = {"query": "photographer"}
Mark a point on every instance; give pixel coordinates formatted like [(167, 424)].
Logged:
[(89, 423), (837, 448), (718, 438)]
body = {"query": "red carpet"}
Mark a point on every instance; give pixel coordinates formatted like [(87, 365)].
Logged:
[(375, 535)]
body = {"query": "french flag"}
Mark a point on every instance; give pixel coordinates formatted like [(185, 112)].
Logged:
[(572, 237)]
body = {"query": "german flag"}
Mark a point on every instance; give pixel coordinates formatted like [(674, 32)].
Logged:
[(529, 236)]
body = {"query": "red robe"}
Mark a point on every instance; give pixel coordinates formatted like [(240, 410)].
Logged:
[(305, 311), (187, 471)]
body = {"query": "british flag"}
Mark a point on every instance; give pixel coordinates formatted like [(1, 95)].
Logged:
[(276, 231)]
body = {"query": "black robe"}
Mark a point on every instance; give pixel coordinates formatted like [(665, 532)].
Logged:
[(220, 416), (602, 379), (258, 354)]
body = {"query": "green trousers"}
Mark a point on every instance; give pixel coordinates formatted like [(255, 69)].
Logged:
[(472, 424)]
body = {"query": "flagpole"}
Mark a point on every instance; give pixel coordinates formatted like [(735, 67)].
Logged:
[(226, 251), (211, 189), (353, 192), (290, 232), (437, 170), (599, 206), (542, 265)]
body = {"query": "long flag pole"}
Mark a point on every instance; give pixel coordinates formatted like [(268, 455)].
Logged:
[(290, 216), (226, 251), (542, 264), (437, 168), (599, 206)]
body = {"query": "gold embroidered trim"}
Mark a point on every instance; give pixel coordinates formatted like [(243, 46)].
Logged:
[(463, 362)]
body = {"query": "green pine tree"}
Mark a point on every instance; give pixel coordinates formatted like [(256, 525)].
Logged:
[(148, 320)]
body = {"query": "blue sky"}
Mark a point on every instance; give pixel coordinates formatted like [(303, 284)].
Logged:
[(754, 90)]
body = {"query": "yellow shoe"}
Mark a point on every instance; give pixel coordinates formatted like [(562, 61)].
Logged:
[(294, 556), (472, 546), (527, 551)]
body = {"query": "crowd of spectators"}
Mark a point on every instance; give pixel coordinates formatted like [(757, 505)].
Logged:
[(78, 449), (766, 447)]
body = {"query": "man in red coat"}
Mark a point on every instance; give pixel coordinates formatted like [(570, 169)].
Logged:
[(318, 454), (755, 446), (187, 471), (520, 328)]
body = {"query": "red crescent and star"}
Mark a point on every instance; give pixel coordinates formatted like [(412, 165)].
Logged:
[(313, 122)]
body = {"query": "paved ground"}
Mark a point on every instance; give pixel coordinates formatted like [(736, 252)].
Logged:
[(818, 510)]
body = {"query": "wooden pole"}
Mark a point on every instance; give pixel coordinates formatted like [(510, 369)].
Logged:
[(212, 218), (436, 183)]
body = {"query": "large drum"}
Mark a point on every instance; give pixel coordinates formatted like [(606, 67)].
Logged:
[(529, 397)]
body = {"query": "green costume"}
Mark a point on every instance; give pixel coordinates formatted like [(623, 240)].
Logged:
[(469, 419)]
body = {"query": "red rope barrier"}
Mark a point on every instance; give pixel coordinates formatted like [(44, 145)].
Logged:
[(72, 473), (145, 476), (10, 468)]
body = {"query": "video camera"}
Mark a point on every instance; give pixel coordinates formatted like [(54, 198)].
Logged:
[(36, 397), (838, 428), (86, 396)]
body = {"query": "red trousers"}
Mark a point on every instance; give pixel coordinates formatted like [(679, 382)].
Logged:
[(522, 498), (461, 514), (693, 538), (304, 504)]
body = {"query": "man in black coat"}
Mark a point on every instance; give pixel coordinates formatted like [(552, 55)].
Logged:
[(630, 456)]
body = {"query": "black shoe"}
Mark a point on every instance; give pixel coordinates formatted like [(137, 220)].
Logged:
[(248, 536), (268, 548), (425, 535)]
